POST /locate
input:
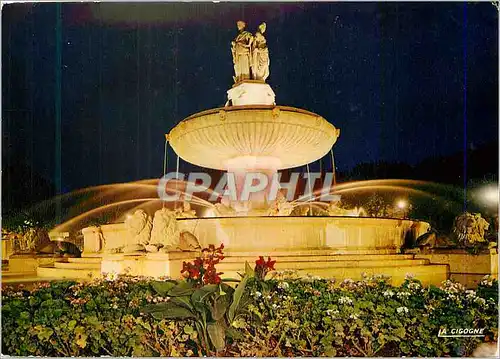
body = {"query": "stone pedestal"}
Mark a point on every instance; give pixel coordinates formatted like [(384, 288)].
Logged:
[(251, 93), (466, 268), (29, 262), (147, 264), (7, 248)]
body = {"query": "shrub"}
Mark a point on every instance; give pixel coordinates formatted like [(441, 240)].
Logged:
[(278, 317)]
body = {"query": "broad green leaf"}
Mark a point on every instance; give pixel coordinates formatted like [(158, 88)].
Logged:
[(71, 324), (249, 271), (220, 307), (188, 329), (182, 288), (234, 334), (163, 287), (201, 295), (199, 299), (184, 301), (400, 332), (217, 335), (238, 293), (168, 310)]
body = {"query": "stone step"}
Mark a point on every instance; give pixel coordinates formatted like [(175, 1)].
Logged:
[(85, 260), (66, 273), (427, 274), (318, 252), (318, 263), (292, 257), (77, 265)]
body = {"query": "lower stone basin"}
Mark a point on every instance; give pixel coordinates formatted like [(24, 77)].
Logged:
[(349, 235), (329, 247)]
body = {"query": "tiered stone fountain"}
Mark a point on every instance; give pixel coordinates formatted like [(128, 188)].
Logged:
[(253, 134)]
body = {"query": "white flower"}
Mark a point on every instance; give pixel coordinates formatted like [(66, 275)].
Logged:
[(403, 294), (332, 312), (414, 285), (402, 310), (353, 316), (388, 293), (115, 306), (479, 300), (258, 294), (451, 287), (429, 308), (470, 294), (487, 280), (111, 276), (283, 285), (345, 300)]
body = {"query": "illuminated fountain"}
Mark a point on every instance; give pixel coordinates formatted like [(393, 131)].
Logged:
[(251, 134)]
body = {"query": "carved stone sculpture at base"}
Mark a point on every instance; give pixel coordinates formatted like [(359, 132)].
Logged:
[(431, 240), (185, 211), (221, 210), (139, 227), (281, 207), (165, 233), (188, 242)]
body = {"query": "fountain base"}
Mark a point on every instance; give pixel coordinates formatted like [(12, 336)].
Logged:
[(330, 247)]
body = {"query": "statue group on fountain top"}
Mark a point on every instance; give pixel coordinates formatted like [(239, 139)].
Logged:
[(250, 54)]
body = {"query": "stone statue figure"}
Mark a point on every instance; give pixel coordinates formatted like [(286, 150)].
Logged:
[(260, 55), (165, 231), (241, 49), (281, 207), (139, 231), (188, 242), (166, 235), (185, 211)]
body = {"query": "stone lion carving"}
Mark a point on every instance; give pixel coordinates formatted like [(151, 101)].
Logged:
[(188, 242), (431, 240), (165, 231), (167, 236), (470, 228), (138, 227)]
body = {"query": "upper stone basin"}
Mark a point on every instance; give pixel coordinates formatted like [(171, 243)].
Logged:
[(287, 136)]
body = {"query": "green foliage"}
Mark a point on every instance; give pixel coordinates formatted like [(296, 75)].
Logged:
[(286, 317), (213, 307)]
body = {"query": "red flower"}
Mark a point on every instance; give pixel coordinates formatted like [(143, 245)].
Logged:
[(262, 267), (202, 270), (270, 264), (260, 262)]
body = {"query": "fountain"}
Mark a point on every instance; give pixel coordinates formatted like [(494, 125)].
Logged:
[(251, 134)]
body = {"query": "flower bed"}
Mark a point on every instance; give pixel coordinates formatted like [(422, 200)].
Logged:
[(281, 316)]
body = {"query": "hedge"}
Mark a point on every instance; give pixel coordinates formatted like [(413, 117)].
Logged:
[(282, 316)]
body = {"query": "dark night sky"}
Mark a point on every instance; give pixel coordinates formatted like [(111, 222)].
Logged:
[(392, 76)]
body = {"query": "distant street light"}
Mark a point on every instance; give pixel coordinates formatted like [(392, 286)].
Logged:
[(402, 204), (401, 208), (489, 195)]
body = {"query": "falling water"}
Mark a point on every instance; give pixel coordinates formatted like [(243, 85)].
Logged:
[(310, 186), (165, 161), (333, 168)]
